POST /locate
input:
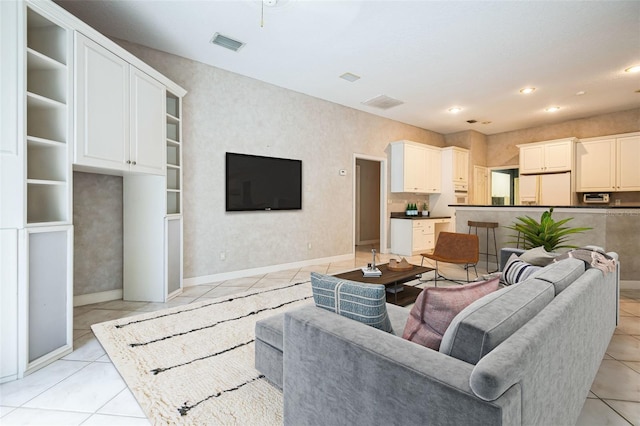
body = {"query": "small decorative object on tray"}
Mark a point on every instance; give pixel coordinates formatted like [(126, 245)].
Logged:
[(403, 265), (368, 271)]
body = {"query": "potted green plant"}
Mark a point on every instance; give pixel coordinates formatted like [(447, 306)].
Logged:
[(547, 233)]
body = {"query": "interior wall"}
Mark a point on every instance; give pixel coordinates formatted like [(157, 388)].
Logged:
[(224, 112), (97, 233), (502, 150), (476, 143), (369, 199)]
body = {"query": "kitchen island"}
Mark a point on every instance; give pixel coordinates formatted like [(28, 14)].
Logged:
[(615, 228)]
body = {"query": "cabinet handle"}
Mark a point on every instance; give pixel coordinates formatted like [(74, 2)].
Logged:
[(134, 163), (128, 161)]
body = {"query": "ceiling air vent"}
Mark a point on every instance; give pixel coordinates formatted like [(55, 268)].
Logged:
[(227, 42), (382, 102)]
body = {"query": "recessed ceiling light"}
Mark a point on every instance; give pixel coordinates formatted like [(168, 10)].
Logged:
[(552, 109), (527, 90), (580, 93), (635, 68), (350, 77), (454, 110)]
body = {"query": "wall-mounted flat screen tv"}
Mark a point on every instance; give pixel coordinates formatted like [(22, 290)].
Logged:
[(262, 183)]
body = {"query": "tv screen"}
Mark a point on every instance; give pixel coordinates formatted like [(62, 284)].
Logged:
[(262, 183)]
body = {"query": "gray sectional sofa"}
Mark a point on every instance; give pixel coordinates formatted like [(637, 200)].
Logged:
[(526, 354)]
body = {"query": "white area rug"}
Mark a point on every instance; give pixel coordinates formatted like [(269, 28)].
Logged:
[(194, 364)]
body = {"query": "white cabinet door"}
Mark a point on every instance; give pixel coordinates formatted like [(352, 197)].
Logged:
[(628, 162), (596, 165), (532, 159), (434, 171), (102, 107), (45, 296), (557, 157), (147, 151), (460, 166), (415, 169)]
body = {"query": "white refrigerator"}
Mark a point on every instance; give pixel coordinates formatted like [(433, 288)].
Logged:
[(553, 189)]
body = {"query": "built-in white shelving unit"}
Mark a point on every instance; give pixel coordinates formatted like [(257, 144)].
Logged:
[(174, 155), (47, 121)]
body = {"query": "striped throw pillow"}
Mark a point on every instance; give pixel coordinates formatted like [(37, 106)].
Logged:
[(517, 270), (366, 303)]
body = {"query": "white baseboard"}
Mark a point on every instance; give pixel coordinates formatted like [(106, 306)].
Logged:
[(629, 285), (224, 276), (103, 296)]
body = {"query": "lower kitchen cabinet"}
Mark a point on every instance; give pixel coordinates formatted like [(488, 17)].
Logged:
[(412, 236)]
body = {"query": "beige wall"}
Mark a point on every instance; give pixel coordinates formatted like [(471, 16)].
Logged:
[(502, 150), (224, 112)]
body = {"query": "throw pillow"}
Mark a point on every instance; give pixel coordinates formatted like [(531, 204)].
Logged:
[(516, 270), (362, 302), (538, 256), (436, 307)]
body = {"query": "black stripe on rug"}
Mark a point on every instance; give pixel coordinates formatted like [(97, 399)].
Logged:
[(159, 370), (183, 333), (184, 410), (206, 305)]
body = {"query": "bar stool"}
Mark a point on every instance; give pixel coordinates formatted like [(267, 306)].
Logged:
[(488, 226)]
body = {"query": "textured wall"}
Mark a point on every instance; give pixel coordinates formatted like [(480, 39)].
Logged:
[(502, 150), (224, 112), (97, 233)]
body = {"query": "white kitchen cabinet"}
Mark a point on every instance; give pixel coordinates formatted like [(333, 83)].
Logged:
[(608, 164), (412, 236), (460, 165), (434, 171), (120, 113), (547, 157), (415, 168)]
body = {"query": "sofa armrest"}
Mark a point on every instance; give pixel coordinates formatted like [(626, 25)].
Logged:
[(338, 371), (505, 254)]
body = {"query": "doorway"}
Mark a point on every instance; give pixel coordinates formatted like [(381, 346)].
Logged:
[(370, 200), (504, 186)]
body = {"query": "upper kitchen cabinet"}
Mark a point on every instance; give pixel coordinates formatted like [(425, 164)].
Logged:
[(120, 113), (547, 157), (455, 164), (415, 168), (609, 163)]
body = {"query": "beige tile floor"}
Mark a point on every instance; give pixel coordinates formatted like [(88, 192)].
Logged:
[(84, 388)]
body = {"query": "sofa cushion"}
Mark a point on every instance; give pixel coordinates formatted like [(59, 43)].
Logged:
[(487, 322), (362, 302), (562, 274), (435, 307), (517, 270), (538, 256)]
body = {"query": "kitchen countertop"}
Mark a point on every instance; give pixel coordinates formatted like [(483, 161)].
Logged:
[(580, 206), (401, 215)]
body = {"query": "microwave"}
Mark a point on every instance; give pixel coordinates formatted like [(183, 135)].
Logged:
[(600, 198)]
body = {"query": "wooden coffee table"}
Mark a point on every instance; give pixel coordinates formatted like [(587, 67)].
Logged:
[(397, 293)]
